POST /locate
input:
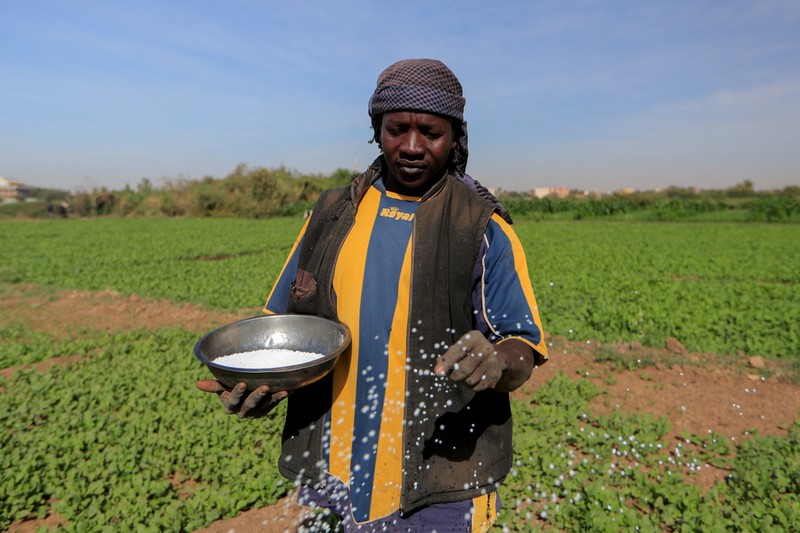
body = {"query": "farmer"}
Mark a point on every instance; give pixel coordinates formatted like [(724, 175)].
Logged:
[(411, 431)]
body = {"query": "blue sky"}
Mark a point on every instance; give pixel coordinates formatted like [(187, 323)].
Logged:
[(583, 94)]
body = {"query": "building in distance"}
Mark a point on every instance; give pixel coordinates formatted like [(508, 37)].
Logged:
[(12, 190)]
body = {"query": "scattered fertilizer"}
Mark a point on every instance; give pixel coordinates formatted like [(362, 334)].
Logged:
[(267, 358)]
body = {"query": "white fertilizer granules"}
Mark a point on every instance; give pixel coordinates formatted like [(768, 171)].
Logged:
[(267, 358)]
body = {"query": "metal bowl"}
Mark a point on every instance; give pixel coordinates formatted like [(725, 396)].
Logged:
[(292, 332)]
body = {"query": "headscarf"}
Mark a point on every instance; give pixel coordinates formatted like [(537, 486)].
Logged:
[(422, 85)]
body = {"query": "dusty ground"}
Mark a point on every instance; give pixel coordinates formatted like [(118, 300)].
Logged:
[(697, 392)]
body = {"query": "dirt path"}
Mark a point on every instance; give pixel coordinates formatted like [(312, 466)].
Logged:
[(697, 392), (61, 312)]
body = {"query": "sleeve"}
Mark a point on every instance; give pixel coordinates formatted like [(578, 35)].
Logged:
[(503, 295), (278, 299)]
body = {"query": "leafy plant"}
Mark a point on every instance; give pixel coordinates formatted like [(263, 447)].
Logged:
[(580, 472), (111, 439)]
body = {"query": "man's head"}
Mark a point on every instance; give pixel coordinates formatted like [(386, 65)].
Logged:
[(423, 86)]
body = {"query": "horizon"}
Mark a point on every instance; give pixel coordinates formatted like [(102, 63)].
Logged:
[(164, 182), (583, 95)]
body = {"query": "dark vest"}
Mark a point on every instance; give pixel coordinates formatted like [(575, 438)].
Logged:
[(459, 443)]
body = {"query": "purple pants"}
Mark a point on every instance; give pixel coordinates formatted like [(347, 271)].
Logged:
[(455, 517)]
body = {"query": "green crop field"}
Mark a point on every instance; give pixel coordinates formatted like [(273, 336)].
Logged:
[(715, 287), (720, 288), (121, 440)]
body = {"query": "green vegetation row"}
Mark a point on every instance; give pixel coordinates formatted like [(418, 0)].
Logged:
[(262, 193), (578, 471), (762, 208), (723, 288), (121, 441)]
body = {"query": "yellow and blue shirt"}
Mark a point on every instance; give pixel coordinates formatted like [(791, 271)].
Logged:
[(371, 283)]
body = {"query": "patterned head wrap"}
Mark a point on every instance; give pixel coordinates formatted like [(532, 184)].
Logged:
[(422, 85)]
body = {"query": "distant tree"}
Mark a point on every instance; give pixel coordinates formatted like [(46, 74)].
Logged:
[(791, 190), (741, 190), (144, 187), (44, 194), (209, 199), (341, 176), (104, 202), (683, 193)]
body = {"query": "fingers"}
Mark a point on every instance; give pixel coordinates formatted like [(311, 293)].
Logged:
[(472, 361), (266, 404), (260, 402), (254, 400), (479, 371), (481, 377), (231, 399), (453, 359), (466, 366), (449, 361), (239, 402), (210, 385)]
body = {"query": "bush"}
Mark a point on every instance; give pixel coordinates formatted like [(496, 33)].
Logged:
[(773, 208)]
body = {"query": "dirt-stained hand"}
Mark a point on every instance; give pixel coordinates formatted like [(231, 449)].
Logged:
[(236, 402), (473, 361)]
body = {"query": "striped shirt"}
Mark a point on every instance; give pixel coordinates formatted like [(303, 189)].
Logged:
[(371, 283)]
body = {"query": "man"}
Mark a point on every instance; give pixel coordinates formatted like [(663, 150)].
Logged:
[(412, 429)]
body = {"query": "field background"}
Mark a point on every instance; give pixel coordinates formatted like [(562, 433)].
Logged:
[(115, 436)]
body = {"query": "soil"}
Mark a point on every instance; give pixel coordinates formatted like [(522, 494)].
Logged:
[(731, 396)]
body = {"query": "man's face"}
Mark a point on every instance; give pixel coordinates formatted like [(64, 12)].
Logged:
[(417, 148)]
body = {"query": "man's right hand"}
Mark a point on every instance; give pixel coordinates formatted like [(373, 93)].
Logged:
[(236, 401)]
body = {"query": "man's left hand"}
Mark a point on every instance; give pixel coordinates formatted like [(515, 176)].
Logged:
[(481, 365), (473, 361)]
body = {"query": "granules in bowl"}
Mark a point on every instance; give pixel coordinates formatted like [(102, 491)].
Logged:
[(267, 358)]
